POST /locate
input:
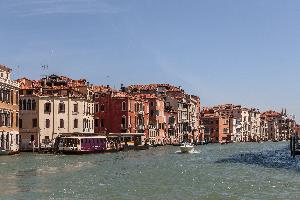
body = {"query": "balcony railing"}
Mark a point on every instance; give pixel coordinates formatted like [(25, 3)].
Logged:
[(141, 127), (141, 112), (9, 82)]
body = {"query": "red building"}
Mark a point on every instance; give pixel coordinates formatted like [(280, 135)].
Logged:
[(216, 127), (119, 112)]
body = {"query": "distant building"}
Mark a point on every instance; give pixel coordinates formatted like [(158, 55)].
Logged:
[(179, 106), (279, 126), (9, 112)]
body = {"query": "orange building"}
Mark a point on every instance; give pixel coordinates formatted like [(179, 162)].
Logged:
[(9, 112)]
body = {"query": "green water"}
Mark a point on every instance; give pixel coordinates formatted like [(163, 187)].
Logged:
[(235, 171)]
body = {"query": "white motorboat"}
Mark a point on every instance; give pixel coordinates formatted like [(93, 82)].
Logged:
[(186, 148)]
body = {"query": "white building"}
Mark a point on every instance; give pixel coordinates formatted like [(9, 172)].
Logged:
[(49, 111)]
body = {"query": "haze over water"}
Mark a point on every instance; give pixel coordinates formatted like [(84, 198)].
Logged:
[(237, 171)]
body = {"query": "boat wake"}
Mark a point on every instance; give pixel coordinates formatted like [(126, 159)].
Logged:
[(191, 152)]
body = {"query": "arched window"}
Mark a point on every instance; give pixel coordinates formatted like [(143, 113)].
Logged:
[(20, 105), (29, 104), (24, 104), (102, 107), (12, 97), (33, 104), (123, 106), (84, 125)]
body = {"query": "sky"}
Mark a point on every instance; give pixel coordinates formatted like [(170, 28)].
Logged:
[(225, 51)]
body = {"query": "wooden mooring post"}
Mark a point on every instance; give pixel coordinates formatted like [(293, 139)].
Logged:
[(294, 145)]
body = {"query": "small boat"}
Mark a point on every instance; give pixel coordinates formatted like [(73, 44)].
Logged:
[(186, 148), (4, 152)]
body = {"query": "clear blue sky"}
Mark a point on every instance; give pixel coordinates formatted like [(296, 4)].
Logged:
[(226, 51)]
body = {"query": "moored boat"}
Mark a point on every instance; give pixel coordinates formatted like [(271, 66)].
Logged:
[(82, 144)]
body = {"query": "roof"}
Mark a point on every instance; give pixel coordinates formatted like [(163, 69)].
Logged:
[(149, 87), (102, 88), (5, 68), (270, 114), (54, 85)]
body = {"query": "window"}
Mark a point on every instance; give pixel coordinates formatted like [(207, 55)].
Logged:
[(96, 122), (75, 123), (102, 123), (75, 107), (34, 123), (17, 138), (47, 123), (24, 104), (61, 108), (17, 119), (84, 123), (11, 120), (20, 104), (123, 121), (61, 123), (96, 108), (12, 97), (32, 138), (47, 107), (123, 106), (20, 123), (33, 105), (29, 104), (151, 103), (152, 113), (102, 108), (17, 97)]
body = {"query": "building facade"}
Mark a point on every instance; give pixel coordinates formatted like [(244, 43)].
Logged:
[(52, 107), (119, 112), (9, 112)]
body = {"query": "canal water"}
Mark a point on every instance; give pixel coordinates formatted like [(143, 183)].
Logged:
[(234, 171)]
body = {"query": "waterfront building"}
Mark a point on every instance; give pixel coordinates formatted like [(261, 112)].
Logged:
[(264, 128), (9, 112), (119, 112), (157, 119), (254, 122), (216, 126), (280, 125), (244, 123), (179, 106), (54, 106)]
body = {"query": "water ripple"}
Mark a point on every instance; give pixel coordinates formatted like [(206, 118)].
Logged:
[(278, 159)]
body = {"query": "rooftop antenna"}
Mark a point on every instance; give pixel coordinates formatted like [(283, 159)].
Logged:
[(45, 70)]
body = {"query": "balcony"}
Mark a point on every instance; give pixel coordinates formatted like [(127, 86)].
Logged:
[(141, 127), (141, 112)]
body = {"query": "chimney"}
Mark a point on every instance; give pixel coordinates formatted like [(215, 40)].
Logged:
[(122, 87)]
